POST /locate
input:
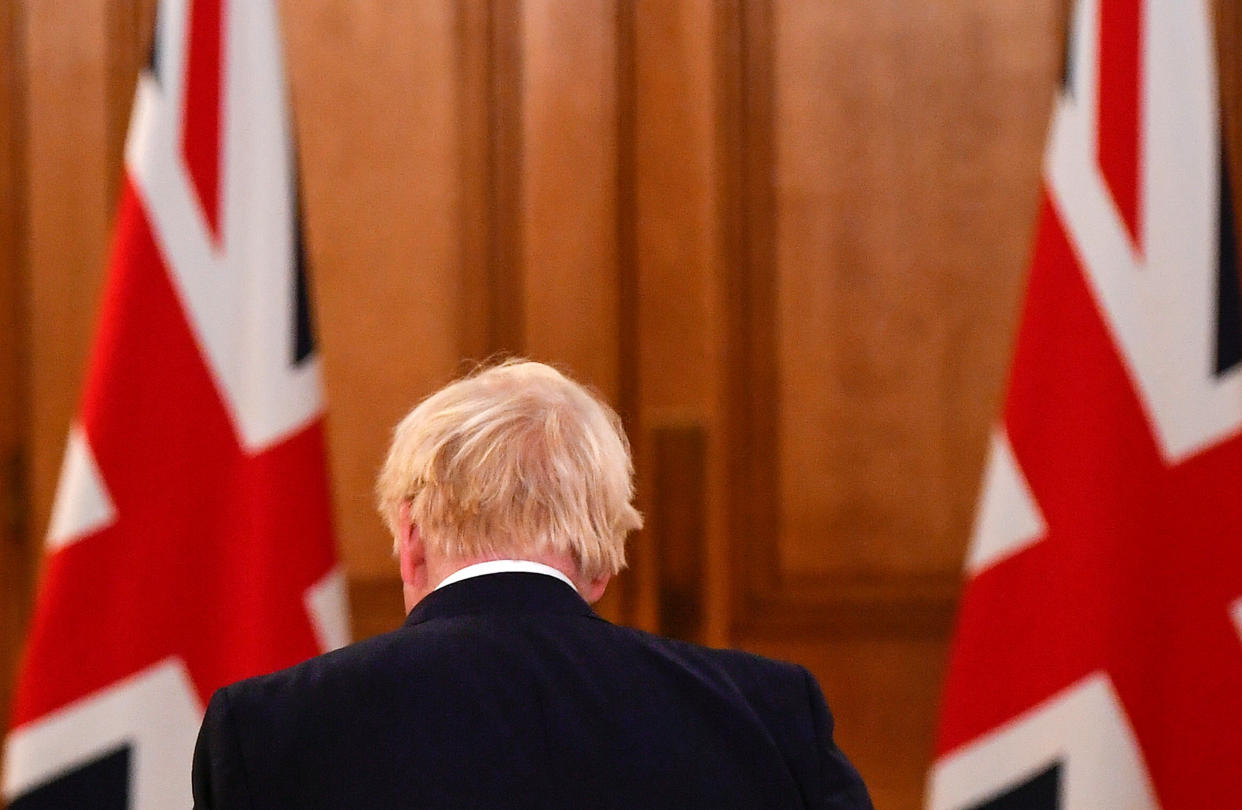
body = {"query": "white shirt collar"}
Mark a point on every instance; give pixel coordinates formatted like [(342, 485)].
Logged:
[(503, 566)]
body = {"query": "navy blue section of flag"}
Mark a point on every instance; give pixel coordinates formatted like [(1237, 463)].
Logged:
[(1041, 792), (100, 784)]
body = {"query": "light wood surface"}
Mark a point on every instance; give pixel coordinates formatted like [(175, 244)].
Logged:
[(906, 189), (377, 127)]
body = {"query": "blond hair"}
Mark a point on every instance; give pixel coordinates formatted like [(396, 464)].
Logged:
[(512, 460)]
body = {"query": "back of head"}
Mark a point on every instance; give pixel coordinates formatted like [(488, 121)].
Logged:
[(515, 460)]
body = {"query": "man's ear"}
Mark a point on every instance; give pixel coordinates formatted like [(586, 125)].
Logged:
[(595, 588), (410, 549), (412, 553)]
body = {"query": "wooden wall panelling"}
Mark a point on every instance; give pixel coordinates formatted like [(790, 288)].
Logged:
[(636, 594), (888, 295), (677, 316), (380, 136), (507, 132), (871, 285), (490, 102), (475, 70), (866, 201), (569, 253), (744, 79), (489, 111), (15, 541), (70, 196), (899, 266), (679, 521)]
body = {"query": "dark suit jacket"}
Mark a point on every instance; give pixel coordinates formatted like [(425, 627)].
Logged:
[(507, 690)]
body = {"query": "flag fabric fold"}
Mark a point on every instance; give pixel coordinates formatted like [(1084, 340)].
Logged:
[(190, 543)]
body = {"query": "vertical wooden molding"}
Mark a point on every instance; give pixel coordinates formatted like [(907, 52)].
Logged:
[(730, 220), (474, 119), (17, 549), (678, 522), (507, 332), (760, 382), (639, 603), (627, 212), (490, 116), (745, 150)]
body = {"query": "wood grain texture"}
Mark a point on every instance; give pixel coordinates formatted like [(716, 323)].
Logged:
[(375, 604), (677, 346), (677, 522), (14, 401), (880, 273), (16, 548), (69, 197), (634, 592), (677, 255), (906, 185), (571, 278), (569, 190), (506, 105), (378, 131), (476, 75), (746, 162)]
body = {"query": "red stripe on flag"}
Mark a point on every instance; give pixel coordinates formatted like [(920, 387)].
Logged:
[(1120, 106), (200, 138)]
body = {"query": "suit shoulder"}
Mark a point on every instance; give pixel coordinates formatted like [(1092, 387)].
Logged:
[(315, 674), (748, 670), (726, 656)]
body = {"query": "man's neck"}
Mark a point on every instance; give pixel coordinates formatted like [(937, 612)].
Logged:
[(430, 572)]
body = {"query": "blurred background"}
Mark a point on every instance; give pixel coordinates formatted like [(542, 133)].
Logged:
[(787, 239)]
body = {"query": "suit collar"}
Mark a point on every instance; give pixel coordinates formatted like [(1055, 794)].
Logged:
[(509, 592), (500, 566)]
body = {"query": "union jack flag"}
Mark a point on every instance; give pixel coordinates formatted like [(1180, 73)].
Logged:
[(1098, 657), (190, 543)]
